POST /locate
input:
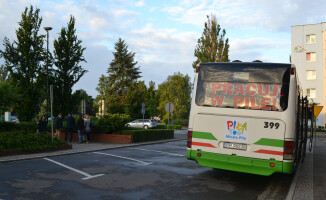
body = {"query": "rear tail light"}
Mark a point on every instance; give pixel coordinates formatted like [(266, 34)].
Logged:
[(189, 139), (288, 150), (292, 71)]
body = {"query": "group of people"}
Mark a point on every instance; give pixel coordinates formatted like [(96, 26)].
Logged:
[(84, 126)]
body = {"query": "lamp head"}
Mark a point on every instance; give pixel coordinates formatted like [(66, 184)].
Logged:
[(47, 28)]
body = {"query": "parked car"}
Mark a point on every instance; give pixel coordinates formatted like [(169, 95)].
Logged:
[(142, 123), (14, 119)]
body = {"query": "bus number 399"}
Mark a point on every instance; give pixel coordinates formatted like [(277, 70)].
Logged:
[(271, 125)]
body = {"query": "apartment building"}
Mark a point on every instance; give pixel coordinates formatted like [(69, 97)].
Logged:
[(308, 54)]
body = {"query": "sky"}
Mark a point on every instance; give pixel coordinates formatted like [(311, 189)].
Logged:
[(164, 34)]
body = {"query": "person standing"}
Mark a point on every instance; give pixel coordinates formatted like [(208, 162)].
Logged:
[(88, 129), (42, 124), (84, 130), (70, 127), (58, 125), (80, 127)]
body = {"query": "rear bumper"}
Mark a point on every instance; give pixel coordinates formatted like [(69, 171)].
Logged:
[(239, 164)]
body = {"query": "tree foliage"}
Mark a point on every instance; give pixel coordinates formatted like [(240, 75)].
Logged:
[(76, 99), (120, 88), (24, 60), (4, 74), (152, 101), (212, 46), (176, 89), (122, 72), (68, 53), (8, 96)]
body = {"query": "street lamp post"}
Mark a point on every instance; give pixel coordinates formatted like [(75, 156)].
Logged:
[(47, 70)]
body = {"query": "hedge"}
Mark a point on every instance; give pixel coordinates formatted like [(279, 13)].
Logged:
[(23, 140), (173, 127), (110, 123), (24, 126), (149, 134)]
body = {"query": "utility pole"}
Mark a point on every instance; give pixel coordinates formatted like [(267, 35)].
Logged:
[(47, 70)]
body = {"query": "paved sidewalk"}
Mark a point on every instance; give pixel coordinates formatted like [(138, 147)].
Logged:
[(80, 148), (310, 179)]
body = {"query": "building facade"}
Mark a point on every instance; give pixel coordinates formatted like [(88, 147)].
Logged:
[(308, 54)]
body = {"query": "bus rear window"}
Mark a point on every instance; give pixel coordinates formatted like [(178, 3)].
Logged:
[(244, 87)]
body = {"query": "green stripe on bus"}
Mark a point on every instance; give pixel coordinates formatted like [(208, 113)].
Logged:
[(239, 164), (203, 135), (270, 142)]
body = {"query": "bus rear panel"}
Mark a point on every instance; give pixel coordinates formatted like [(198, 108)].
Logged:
[(241, 118)]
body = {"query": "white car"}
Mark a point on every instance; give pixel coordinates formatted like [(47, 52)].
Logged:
[(14, 119), (142, 123)]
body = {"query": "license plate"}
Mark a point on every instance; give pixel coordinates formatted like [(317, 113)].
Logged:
[(231, 145)]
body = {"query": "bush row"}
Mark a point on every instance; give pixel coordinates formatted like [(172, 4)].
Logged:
[(11, 126), (110, 123), (149, 134), (173, 127), (23, 140)]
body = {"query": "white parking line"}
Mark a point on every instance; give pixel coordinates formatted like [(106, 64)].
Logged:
[(107, 154), (156, 151), (87, 176)]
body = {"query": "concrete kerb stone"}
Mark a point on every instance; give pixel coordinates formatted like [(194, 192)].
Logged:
[(72, 151), (302, 183)]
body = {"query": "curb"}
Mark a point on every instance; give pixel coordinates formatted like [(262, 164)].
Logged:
[(302, 183), (52, 154), (294, 183)]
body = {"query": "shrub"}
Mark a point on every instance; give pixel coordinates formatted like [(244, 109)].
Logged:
[(23, 140), (111, 123), (11, 126), (182, 122), (173, 127), (149, 134)]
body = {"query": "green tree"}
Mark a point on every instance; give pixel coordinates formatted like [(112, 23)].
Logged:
[(212, 45), (176, 89), (136, 95), (152, 100), (4, 74), (122, 72), (8, 96), (24, 59), (68, 53), (77, 97)]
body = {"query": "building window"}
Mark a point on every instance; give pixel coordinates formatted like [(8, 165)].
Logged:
[(311, 74), (310, 39), (311, 57), (311, 93)]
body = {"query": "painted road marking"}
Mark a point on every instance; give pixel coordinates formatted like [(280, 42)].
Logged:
[(107, 154), (87, 176), (156, 151)]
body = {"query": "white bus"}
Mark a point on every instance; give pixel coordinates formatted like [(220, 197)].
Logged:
[(247, 117)]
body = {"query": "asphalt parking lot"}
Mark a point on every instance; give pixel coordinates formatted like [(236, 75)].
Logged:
[(156, 171)]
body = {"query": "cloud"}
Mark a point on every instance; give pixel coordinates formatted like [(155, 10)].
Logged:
[(257, 43), (163, 44), (276, 15), (140, 3), (263, 49)]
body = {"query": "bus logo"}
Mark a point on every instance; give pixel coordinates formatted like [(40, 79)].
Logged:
[(236, 129)]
